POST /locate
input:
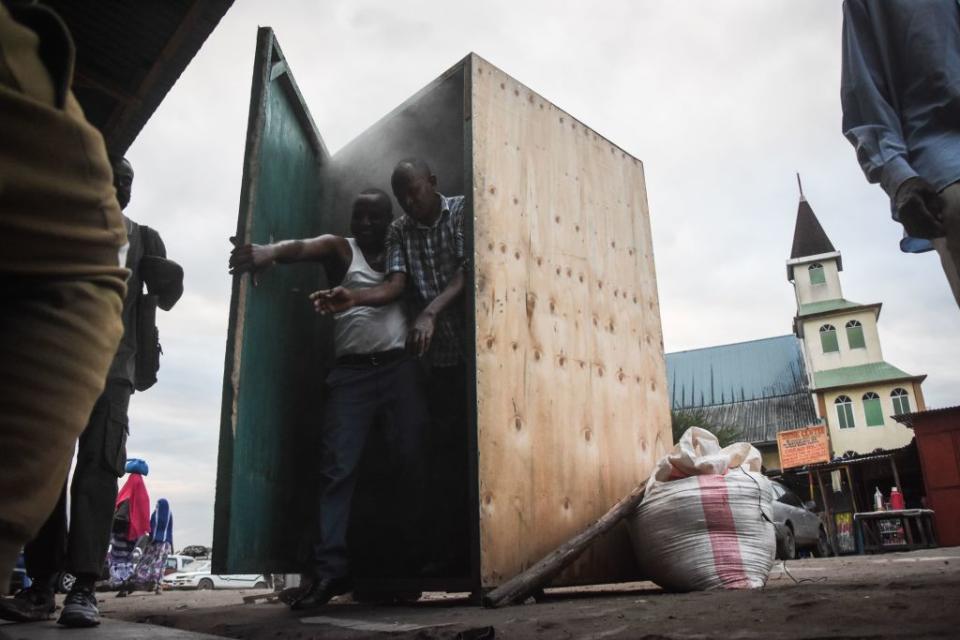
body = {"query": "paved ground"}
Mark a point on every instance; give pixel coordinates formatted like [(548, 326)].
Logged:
[(903, 595), (108, 630)]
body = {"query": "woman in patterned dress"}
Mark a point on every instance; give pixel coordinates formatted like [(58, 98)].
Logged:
[(149, 571)]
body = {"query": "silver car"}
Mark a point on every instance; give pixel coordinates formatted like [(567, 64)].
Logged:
[(798, 527)]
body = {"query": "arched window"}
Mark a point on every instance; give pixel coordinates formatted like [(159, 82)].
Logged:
[(844, 412), (816, 273), (872, 409), (901, 401), (855, 335), (828, 338)]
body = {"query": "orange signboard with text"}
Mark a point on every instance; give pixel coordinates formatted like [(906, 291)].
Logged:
[(800, 447)]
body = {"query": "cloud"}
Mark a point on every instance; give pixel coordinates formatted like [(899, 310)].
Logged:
[(722, 101)]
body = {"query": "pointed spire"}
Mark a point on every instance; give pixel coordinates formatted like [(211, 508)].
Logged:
[(809, 238), (800, 186)]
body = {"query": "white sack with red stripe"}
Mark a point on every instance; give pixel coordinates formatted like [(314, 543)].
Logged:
[(706, 519)]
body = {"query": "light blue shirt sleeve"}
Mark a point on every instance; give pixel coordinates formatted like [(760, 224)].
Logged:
[(870, 121)]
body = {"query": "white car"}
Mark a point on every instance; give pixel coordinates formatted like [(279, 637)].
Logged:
[(797, 525), (199, 577), (178, 564)]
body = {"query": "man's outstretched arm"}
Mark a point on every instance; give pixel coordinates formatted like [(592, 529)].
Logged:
[(248, 258)]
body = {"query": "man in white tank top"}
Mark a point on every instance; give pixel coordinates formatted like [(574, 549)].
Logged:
[(426, 261), (373, 375)]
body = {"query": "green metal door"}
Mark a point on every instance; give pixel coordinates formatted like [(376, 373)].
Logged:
[(276, 346)]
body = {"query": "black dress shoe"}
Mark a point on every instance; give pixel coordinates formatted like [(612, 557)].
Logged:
[(29, 605), (320, 592)]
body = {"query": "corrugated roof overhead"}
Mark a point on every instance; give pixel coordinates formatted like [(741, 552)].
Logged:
[(760, 386), (129, 55)]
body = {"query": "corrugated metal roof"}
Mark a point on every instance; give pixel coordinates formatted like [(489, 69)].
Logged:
[(860, 374), (729, 373), (759, 387), (826, 306), (761, 420), (129, 55), (908, 418), (861, 458)]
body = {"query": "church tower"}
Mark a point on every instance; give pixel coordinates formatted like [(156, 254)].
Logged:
[(855, 390)]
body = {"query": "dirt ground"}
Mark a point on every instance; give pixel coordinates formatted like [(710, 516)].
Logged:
[(901, 595)]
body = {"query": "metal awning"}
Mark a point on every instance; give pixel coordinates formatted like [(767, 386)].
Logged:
[(908, 418), (129, 55), (860, 459)]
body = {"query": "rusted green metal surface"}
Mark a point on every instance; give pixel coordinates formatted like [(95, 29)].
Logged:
[(275, 347)]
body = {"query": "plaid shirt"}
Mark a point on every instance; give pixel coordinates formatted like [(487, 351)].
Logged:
[(431, 256)]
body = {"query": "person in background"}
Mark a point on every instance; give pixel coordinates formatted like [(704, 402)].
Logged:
[(102, 454), (62, 279), (426, 260), (131, 521), (149, 571), (900, 93), (373, 376)]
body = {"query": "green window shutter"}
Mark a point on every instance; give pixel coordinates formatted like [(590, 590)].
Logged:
[(855, 337), (828, 340), (817, 276), (845, 416), (873, 411), (901, 405)]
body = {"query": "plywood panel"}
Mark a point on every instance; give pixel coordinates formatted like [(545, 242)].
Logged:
[(571, 388)]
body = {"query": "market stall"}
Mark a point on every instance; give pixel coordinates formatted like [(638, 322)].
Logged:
[(846, 490)]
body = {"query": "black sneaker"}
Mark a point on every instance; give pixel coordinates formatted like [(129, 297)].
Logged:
[(80, 608), (320, 592), (28, 605)]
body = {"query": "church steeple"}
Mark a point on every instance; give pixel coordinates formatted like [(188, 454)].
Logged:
[(809, 238), (810, 241)]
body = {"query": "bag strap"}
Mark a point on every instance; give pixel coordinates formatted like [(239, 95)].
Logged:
[(152, 243)]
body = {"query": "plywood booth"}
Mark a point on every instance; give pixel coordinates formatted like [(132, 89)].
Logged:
[(566, 391)]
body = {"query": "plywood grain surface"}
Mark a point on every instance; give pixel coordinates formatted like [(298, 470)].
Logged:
[(571, 390)]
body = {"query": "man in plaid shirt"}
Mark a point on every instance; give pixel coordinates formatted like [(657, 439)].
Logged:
[(425, 260)]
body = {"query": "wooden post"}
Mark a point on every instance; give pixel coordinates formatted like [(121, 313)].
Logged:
[(826, 509), (538, 576), (853, 492), (896, 475)]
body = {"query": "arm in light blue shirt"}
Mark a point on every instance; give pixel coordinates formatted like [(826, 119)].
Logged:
[(871, 121)]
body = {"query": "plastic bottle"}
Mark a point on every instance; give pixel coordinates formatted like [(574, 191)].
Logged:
[(896, 499), (877, 499)]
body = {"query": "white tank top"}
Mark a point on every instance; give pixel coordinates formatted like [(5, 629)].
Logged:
[(367, 329)]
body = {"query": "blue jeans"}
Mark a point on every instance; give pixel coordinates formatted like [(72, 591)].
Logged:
[(358, 397)]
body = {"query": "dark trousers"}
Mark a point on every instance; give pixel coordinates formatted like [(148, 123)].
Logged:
[(358, 397), (449, 479), (101, 457)]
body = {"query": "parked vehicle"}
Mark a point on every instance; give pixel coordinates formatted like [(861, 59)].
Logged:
[(798, 527), (18, 578), (198, 576), (177, 563), (196, 551)]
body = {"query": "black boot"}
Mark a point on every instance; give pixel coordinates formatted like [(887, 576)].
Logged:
[(36, 602)]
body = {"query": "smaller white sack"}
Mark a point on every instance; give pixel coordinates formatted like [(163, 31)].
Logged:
[(706, 519)]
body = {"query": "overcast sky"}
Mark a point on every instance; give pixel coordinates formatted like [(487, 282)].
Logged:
[(723, 101)]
